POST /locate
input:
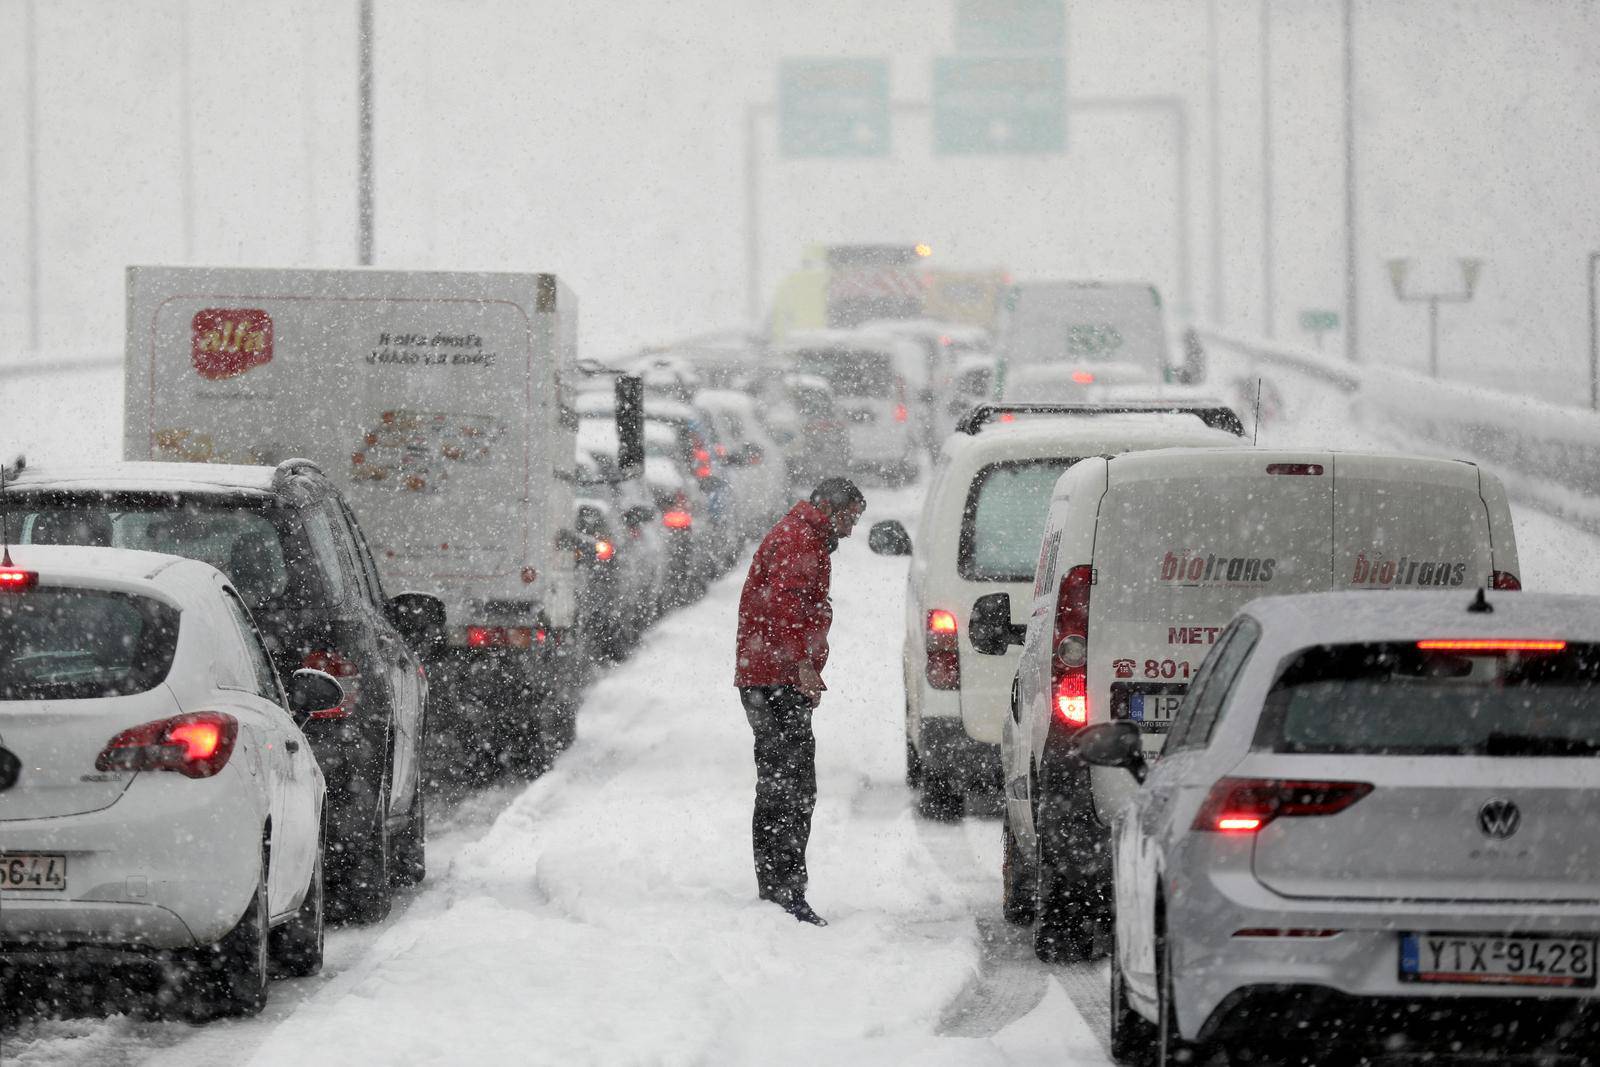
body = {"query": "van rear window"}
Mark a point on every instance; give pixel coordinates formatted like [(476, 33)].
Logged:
[(1004, 518), (1399, 699), (74, 644)]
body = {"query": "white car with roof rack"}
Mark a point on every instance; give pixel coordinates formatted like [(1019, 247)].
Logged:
[(1371, 822), (159, 800), (979, 533), (1145, 558)]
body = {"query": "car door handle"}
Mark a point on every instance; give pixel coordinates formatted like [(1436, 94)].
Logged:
[(292, 745)]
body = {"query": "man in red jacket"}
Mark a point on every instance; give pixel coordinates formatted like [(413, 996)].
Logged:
[(784, 614)]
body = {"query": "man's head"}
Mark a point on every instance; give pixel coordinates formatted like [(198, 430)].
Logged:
[(841, 501)]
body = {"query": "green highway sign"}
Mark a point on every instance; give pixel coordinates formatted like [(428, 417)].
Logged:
[(1011, 25), (1314, 321), (999, 104), (833, 107)]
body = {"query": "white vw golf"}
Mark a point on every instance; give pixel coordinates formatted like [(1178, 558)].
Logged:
[(1373, 821), (157, 798)]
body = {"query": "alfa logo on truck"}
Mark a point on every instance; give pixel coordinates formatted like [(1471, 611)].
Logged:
[(229, 341)]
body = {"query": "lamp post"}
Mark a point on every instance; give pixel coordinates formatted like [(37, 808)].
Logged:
[(364, 201), (1399, 268), (1594, 337)]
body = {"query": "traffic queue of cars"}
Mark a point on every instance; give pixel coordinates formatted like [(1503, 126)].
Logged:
[(1294, 809)]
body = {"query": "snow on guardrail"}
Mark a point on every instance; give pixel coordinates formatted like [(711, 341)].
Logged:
[(1548, 455)]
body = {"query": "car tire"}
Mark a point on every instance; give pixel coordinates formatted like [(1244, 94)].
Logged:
[(1019, 885), (913, 765), (941, 799), (410, 860), (364, 890), (1068, 919), (297, 945), (229, 978), (1171, 1049), (1132, 1036)]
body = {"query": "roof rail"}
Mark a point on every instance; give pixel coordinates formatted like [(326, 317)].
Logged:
[(1213, 413), (289, 468)]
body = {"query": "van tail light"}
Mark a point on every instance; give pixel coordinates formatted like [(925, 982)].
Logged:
[(1069, 659), (1083, 377), (1313, 469), (944, 656), (196, 745), (1492, 645), (14, 579), (677, 519), (500, 637), (604, 550), (900, 413), (1504, 580), (1245, 805), (342, 668)]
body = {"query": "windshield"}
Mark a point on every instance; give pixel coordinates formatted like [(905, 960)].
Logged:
[(77, 644), (1004, 518), (1399, 699)]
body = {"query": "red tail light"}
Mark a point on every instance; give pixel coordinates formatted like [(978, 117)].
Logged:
[(499, 637), (1491, 644), (1245, 805), (13, 578), (701, 455), (1007, 416), (703, 471), (604, 550), (944, 656), (342, 668), (1083, 377), (1069, 661), (1294, 468), (900, 413), (677, 520), (1504, 580), (196, 745)]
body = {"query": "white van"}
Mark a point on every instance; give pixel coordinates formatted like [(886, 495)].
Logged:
[(875, 379), (979, 533), (1145, 558), (1063, 340)]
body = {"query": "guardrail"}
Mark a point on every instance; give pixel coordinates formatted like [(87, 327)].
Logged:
[(34, 367), (1548, 455)]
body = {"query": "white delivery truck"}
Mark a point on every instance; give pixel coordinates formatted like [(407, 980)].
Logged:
[(1070, 340), (440, 404)]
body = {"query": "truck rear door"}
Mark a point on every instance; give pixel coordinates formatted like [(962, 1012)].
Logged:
[(1408, 523)]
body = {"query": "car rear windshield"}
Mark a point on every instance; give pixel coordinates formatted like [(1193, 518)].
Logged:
[(60, 643), (252, 542), (1004, 518), (1401, 699), (851, 372)]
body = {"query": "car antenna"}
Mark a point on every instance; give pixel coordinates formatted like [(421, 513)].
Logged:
[(1480, 604), (1256, 430)]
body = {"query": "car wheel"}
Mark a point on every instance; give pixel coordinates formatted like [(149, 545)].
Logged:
[(1132, 1036), (941, 799), (410, 865), (1170, 1047), (1019, 887), (230, 977), (1069, 904), (297, 944), (913, 765)]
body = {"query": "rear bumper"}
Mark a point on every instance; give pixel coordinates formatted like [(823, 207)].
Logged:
[(1221, 974), (946, 748), (171, 865)]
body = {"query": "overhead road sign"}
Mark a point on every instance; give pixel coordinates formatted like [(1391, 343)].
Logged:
[(833, 107), (1011, 25), (999, 104)]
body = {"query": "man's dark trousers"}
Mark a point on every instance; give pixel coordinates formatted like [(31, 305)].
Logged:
[(786, 788)]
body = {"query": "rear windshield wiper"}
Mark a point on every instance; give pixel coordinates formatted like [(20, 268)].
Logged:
[(1500, 744)]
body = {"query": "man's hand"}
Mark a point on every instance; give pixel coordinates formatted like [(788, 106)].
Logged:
[(810, 683)]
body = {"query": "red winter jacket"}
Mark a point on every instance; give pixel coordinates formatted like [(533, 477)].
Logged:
[(784, 613)]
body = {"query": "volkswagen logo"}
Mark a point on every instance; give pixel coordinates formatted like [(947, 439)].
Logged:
[(1499, 818)]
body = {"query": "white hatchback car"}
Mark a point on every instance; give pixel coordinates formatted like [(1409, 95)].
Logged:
[(979, 534), (161, 801), (1372, 823)]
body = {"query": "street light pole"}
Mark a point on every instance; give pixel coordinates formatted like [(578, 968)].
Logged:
[(1594, 337), (364, 201), (1267, 298), (1214, 135), (30, 137), (1352, 291)]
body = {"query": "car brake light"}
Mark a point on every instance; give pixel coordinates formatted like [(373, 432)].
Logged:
[(703, 471), (1083, 377), (944, 657), (900, 413), (1294, 468), (604, 550), (332, 662), (499, 637), (677, 520), (1007, 416), (1069, 663), (1245, 805), (16, 579), (196, 745), (1491, 644), (701, 455), (1504, 580)]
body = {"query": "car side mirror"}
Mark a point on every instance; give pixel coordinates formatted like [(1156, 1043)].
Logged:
[(1113, 744), (638, 515), (889, 538), (313, 691), (420, 619), (990, 628)]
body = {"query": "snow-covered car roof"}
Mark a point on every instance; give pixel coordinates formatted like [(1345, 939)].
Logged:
[(807, 381), (149, 476), (1291, 622), (66, 562), (1046, 435)]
